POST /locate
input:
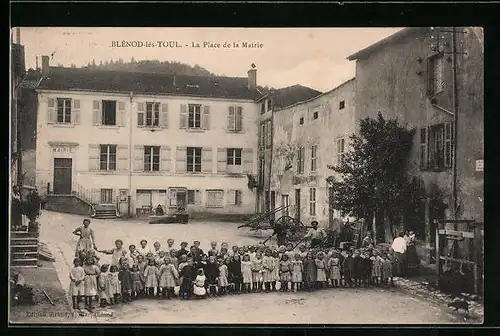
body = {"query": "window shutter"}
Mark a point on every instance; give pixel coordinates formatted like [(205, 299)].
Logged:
[(172, 195), (197, 197), (164, 115), (141, 108), (122, 157), (138, 158), (94, 157), (206, 160), (231, 197), (317, 156), (165, 159), (221, 160), (247, 156), (51, 111), (239, 118), (96, 112), (121, 114), (206, 117), (184, 117), (231, 119), (75, 110), (180, 160)]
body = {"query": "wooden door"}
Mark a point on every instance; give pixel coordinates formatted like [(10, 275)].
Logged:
[(62, 176)]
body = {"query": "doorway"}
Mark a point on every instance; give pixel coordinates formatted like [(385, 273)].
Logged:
[(297, 204), (62, 176)]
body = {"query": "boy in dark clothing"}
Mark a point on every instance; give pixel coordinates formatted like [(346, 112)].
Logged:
[(126, 281), (348, 267), (357, 271), (212, 272), (182, 250), (188, 274)]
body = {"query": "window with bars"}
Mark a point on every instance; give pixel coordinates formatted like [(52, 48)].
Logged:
[(340, 151), (152, 114), (151, 158), (215, 198), (436, 146), (108, 157), (314, 150), (108, 112), (234, 156), (64, 110), (312, 201), (107, 196), (193, 159), (194, 116), (300, 160)]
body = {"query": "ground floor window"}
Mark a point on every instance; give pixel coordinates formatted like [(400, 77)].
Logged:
[(215, 198), (234, 197), (193, 197), (106, 196)]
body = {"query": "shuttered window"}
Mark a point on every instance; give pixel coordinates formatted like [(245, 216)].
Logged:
[(194, 116), (234, 156), (152, 114), (193, 157), (314, 158), (235, 118), (312, 201), (440, 146), (151, 158), (215, 198), (435, 72), (108, 157), (300, 160), (340, 151), (64, 110), (108, 116)]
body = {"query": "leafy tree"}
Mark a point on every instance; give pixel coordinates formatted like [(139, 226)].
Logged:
[(372, 178)]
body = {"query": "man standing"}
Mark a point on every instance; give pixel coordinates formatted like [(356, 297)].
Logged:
[(315, 234), (399, 248)]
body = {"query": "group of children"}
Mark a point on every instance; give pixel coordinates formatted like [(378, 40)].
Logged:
[(156, 272)]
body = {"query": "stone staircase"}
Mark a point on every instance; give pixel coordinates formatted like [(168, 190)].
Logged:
[(104, 211), (23, 249)]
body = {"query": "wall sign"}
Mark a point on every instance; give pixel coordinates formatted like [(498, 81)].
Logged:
[(479, 165)]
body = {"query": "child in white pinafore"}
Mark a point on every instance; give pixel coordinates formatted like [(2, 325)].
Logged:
[(77, 285), (114, 285), (267, 270), (297, 270), (276, 268), (168, 278), (222, 278), (150, 278), (103, 285), (257, 273), (334, 269), (246, 271), (91, 273), (199, 287)]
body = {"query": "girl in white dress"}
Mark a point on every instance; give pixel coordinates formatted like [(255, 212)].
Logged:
[(246, 271), (199, 284), (222, 278)]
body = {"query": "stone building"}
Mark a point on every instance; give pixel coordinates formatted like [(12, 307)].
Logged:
[(309, 136), (126, 142), (409, 76)]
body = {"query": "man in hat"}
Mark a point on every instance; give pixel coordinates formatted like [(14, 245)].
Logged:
[(317, 235)]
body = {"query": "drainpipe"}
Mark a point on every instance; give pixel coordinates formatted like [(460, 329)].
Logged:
[(455, 117), (130, 153), (271, 155)]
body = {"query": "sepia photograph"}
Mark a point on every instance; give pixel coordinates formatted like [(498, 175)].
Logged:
[(246, 175)]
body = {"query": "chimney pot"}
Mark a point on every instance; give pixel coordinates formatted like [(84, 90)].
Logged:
[(252, 79), (45, 66)]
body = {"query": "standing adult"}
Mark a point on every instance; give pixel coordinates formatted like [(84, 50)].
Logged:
[(16, 213), (399, 247), (315, 234), (87, 241), (411, 251)]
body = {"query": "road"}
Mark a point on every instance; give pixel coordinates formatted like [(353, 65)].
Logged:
[(332, 306)]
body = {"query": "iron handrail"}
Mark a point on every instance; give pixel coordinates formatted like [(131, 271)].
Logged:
[(264, 216)]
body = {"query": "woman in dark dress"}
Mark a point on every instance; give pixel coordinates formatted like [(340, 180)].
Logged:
[(188, 274), (235, 275)]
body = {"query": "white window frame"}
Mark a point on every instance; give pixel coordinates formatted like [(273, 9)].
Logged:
[(237, 125), (314, 158), (193, 157), (211, 192), (109, 162), (152, 108), (66, 110), (312, 202), (152, 156), (194, 110), (232, 156)]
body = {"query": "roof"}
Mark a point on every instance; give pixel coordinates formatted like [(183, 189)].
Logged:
[(292, 94), (319, 96), (392, 38), (84, 79)]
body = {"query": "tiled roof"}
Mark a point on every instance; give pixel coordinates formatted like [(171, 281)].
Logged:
[(84, 79), (292, 94)]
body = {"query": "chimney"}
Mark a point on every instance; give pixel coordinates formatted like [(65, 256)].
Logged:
[(45, 66), (252, 78)]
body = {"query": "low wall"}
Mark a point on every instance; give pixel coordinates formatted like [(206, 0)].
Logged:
[(67, 204)]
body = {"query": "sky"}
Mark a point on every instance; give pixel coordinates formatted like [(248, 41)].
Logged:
[(313, 57)]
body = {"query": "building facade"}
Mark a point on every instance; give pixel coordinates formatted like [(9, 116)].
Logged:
[(409, 76), (308, 137), (141, 140)]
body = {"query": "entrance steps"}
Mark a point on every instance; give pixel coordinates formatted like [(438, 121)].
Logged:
[(23, 249)]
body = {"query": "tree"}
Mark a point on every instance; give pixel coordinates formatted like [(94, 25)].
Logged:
[(373, 177)]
